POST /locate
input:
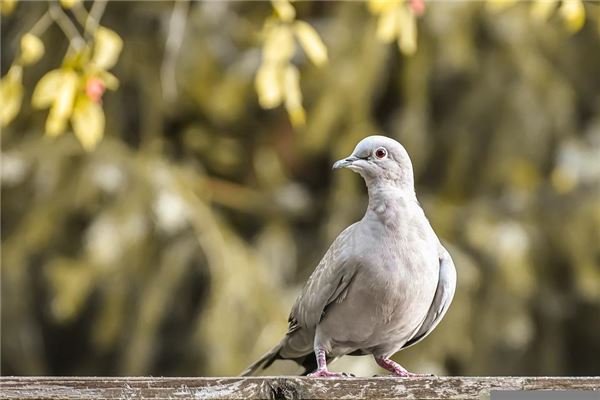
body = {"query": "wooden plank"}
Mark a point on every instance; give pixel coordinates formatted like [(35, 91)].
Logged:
[(281, 387)]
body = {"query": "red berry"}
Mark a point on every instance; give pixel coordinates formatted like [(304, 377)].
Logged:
[(94, 89), (417, 6)]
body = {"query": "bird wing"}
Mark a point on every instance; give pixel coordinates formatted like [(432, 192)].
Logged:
[(328, 283), (441, 300)]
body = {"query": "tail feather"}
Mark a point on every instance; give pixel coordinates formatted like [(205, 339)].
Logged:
[(264, 362), (308, 361)]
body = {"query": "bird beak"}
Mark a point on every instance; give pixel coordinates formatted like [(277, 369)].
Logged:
[(345, 162)]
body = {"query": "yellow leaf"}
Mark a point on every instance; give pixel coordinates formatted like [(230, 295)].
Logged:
[(32, 49), (311, 43), (407, 40), (381, 6), (107, 47), (268, 84), (66, 92), (88, 122), (573, 13), (388, 25), (56, 123), (284, 10), (293, 95), (46, 89), (62, 105), (279, 44), (110, 81), (69, 3), (7, 6), (11, 95)]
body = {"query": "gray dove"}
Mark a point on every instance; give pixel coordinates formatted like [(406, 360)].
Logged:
[(384, 284)]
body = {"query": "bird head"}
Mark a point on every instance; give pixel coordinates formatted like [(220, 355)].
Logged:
[(380, 160)]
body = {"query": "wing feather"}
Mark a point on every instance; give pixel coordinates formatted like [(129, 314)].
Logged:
[(441, 300), (327, 284)]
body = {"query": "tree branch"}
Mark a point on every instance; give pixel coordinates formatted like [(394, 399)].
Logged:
[(172, 47), (65, 24), (94, 16)]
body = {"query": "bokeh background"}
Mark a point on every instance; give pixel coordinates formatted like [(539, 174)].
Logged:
[(175, 241)]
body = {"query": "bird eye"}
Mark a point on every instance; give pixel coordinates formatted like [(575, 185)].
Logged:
[(381, 153)]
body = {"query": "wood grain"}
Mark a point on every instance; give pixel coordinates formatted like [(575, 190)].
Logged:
[(280, 387)]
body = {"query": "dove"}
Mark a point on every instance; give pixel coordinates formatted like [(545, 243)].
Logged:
[(384, 284)]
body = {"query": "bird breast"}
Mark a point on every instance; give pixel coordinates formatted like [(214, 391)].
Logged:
[(391, 292)]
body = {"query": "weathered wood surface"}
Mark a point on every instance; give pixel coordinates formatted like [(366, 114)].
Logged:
[(281, 387)]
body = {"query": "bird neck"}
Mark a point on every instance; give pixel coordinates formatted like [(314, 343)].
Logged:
[(380, 193), (386, 202)]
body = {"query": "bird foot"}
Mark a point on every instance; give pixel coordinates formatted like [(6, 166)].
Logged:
[(396, 369), (324, 373), (406, 374)]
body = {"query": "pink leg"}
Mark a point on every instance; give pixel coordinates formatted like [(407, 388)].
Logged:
[(395, 368), (322, 371)]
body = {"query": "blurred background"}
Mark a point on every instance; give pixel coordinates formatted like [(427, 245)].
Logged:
[(161, 217)]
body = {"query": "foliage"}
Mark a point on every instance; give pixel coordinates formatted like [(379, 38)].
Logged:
[(74, 91), (277, 79)]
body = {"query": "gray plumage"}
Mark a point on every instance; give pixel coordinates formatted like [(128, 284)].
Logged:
[(384, 284)]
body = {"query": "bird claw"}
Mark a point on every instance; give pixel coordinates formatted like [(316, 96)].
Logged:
[(407, 374), (396, 369), (323, 373)]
